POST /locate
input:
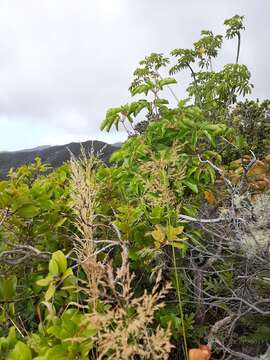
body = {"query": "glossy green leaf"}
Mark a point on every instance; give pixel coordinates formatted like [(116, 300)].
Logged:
[(8, 288), (167, 81), (53, 267), (44, 282), (50, 292), (20, 352), (28, 211), (192, 186), (60, 260)]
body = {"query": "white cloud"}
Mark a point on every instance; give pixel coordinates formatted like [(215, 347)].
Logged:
[(71, 120), (66, 138), (61, 139), (63, 63)]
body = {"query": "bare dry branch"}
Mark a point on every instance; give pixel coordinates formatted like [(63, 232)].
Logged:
[(22, 253)]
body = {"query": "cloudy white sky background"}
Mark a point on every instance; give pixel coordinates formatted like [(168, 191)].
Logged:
[(63, 63)]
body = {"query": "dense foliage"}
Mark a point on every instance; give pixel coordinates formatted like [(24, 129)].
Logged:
[(166, 249)]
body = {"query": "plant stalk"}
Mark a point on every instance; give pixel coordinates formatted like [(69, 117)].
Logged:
[(238, 47), (180, 304)]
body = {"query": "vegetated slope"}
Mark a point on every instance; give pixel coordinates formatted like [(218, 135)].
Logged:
[(54, 155)]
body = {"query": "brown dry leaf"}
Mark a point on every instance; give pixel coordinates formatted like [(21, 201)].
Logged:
[(247, 158), (210, 197), (202, 353), (259, 168), (267, 158), (261, 184), (234, 175), (235, 164)]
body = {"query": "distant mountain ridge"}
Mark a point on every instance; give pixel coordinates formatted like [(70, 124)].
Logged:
[(54, 155), (26, 150)]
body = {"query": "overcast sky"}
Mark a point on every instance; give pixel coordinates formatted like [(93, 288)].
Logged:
[(63, 63)]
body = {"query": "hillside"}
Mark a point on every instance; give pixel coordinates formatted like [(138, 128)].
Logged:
[(54, 155)]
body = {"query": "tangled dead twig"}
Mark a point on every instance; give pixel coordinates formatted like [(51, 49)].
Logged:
[(235, 235), (243, 356), (21, 254)]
